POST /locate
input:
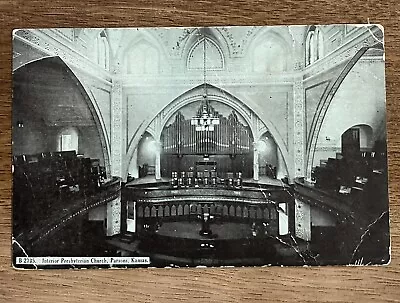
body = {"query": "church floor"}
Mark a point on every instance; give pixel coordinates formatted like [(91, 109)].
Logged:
[(190, 230), (230, 244)]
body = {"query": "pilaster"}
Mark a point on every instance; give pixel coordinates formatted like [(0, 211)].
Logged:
[(116, 129), (299, 128)]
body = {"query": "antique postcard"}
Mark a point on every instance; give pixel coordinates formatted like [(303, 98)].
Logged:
[(199, 146)]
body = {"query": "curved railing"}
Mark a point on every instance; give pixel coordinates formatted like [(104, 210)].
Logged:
[(109, 191), (233, 204), (166, 193), (338, 206)]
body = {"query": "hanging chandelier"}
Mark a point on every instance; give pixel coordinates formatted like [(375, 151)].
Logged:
[(206, 118)]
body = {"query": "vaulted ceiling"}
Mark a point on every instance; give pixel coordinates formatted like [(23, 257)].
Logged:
[(47, 90)]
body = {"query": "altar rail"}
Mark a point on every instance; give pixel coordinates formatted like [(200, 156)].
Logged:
[(247, 204)]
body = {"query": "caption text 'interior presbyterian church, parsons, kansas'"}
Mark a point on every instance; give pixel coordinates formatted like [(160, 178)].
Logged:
[(201, 146)]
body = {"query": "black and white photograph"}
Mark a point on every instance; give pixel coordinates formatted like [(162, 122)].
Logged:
[(199, 147)]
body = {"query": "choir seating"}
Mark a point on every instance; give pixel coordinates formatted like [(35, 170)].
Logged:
[(205, 179)]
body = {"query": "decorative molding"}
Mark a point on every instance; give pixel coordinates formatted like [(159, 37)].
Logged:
[(116, 128), (237, 49), (345, 51), (220, 78), (302, 220), (327, 98), (328, 149), (48, 45), (299, 128), (66, 33), (114, 217), (16, 54)]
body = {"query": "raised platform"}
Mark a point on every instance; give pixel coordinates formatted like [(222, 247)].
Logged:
[(180, 244), (243, 229), (151, 181)]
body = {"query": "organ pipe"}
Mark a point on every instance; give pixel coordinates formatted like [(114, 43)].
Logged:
[(230, 136)]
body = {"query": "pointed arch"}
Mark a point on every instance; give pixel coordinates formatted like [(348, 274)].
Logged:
[(212, 34), (271, 55), (271, 47), (87, 96), (131, 39), (143, 58), (214, 55), (325, 103), (103, 50), (196, 95), (314, 45), (309, 47)]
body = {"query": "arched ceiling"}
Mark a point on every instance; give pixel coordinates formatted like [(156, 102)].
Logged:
[(46, 89)]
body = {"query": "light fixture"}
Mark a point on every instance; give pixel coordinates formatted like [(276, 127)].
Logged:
[(206, 117)]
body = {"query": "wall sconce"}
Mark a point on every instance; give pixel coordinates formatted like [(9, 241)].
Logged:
[(20, 124)]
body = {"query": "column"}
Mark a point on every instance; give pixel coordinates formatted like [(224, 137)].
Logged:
[(158, 161), (114, 217), (299, 128), (255, 163), (116, 129), (302, 220), (133, 168)]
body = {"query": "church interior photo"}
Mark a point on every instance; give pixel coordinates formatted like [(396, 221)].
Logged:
[(209, 146)]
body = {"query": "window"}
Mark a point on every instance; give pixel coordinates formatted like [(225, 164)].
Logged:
[(66, 142), (314, 45), (214, 56), (103, 51), (68, 139)]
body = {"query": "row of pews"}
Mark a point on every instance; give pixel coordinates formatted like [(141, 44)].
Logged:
[(50, 181), (345, 175)]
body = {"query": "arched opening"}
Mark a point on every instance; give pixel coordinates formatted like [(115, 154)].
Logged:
[(68, 139), (195, 95), (355, 139), (146, 159), (227, 149), (103, 50), (339, 97), (52, 112), (314, 46), (270, 159)]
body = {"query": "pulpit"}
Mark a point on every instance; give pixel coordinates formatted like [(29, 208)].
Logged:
[(205, 225)]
